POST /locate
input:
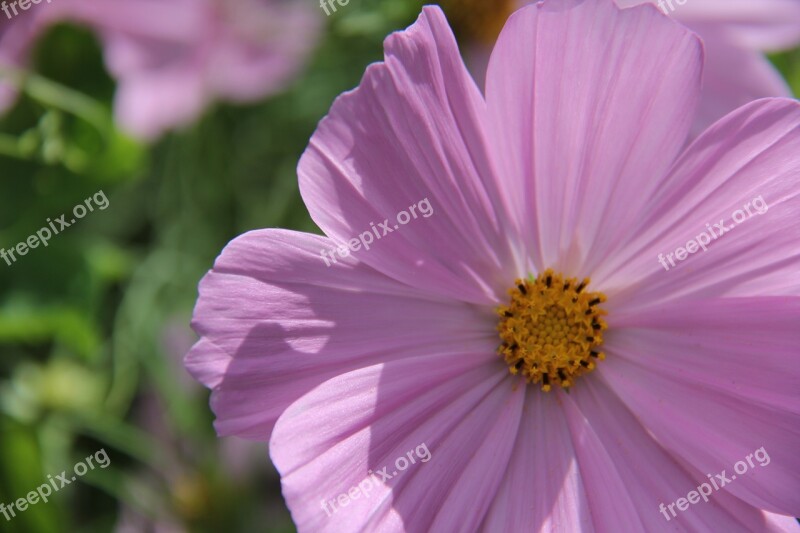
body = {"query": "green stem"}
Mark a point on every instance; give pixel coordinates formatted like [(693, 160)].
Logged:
[(54, 94)]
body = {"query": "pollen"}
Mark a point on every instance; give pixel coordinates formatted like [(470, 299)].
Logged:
[(552, 330)]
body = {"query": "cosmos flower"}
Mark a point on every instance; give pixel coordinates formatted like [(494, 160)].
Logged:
[(173, 58), (525, 334)]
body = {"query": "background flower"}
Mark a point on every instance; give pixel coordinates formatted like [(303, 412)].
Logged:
[(737, 34), (83, 359), (16, 38), (173, 58)]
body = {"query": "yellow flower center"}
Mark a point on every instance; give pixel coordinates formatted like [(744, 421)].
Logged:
[(552, 329)]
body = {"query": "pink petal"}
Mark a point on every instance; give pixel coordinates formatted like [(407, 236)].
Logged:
[(769, 25), (413, 130), (617, 458), (588, 109), (16, 41), (276, 322), (172, 21), (481, 449), (762, 25), (781, 523), (715, 381), (542, 488), (734, 76), (330, 440), (714, 343), (152, 103), (611, 503), (172, 59), (262, 47), (751, 153)]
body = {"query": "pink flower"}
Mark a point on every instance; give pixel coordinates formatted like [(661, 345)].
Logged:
[(173, 58), (572, 165)]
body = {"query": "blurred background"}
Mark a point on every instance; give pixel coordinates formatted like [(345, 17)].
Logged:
[(189, 117)]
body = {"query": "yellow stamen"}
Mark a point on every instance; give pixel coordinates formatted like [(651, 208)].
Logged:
[(552, 329)]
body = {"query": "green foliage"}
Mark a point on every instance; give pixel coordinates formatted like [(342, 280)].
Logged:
[(94, 326)]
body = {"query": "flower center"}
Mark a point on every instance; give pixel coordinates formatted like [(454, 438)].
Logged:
[(552, 329)]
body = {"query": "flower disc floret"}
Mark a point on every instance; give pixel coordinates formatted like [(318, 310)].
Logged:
[(552, 330)]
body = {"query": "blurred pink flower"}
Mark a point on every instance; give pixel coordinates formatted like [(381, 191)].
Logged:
[(16, 39), (173, 58), (736, 35), (573, 160)]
